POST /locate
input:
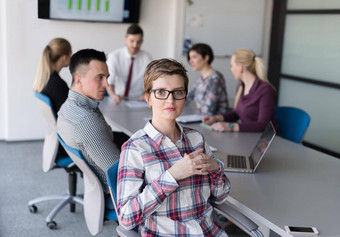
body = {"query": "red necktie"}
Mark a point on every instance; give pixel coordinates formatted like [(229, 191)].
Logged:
[(127, 88)]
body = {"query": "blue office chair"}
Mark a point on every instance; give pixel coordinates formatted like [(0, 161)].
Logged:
[(111, 176), (225, 209), (292, 122), (94, 201), (51, 160)]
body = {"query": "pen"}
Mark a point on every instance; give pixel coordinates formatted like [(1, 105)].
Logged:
[(205, 126)]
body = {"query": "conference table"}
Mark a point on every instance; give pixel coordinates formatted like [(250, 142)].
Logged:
[(293, 185)]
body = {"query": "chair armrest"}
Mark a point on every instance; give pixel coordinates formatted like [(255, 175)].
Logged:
[(126, 233), (230, 212)]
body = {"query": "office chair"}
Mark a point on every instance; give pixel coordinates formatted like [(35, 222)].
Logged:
[(51, 161), (225, 209), (292, 122), (94, 202)]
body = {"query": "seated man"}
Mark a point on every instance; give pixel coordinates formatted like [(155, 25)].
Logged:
[(80, 122)]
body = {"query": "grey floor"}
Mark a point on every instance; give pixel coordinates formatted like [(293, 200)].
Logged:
[(22, 179)]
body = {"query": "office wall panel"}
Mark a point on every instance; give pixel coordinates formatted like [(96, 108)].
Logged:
[(322, 104), (316, 53), (312, 4)]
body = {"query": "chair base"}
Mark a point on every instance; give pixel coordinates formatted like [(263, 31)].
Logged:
[(65, 199)]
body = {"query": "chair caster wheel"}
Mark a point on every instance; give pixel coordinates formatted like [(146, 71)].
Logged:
[(33, 208), (52, 225)]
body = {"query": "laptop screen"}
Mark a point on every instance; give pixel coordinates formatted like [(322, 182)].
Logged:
[(262, 145)]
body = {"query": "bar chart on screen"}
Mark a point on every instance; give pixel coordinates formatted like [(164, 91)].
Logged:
[(103, 10)]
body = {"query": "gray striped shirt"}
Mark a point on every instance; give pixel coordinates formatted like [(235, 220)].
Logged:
[(82, 126)]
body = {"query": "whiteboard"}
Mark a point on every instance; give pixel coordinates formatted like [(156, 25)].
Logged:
[(226, 25)]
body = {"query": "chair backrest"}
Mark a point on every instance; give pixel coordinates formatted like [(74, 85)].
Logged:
[(111, 176), (94, 203), (51, 143), (292, 122)]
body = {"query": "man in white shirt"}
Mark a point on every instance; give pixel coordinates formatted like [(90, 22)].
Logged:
[(128, 62)]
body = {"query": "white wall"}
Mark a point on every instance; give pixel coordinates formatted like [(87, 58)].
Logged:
[(23, 37), (3, 86), (26, 36)]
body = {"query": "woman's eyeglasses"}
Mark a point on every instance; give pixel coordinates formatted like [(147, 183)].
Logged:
[(162, 94)]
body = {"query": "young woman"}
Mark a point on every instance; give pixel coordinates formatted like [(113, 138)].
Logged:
[(209, 91), (167, 176), (54, 57), (255, 98)]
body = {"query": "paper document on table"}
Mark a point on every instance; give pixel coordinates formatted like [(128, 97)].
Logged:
[(136, 104), (212, 148), (191, 118)]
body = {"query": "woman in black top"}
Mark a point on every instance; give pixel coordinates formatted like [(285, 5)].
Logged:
[(54, 57)]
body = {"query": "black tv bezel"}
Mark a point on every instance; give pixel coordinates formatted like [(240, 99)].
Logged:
[(132, 5)]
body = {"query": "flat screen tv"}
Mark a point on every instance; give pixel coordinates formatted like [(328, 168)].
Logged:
[(117, 11)]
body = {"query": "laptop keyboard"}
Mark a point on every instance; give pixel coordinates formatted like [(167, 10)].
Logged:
[(235, 161)]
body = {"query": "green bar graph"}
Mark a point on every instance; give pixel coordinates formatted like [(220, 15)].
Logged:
[(107, 5), (98, 5), (88, 5)]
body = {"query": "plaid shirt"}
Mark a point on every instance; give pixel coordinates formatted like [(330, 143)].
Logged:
[(150, 197)]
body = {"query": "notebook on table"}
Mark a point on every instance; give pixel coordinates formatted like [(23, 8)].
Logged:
[(240, 163), (190, 118)]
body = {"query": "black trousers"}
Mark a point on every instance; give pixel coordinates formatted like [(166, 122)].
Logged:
[(119, 138)]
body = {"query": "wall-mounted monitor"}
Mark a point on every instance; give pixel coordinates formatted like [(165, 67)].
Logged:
[(90, 10)]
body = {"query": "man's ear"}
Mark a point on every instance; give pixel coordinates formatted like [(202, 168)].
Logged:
[(77, 80)]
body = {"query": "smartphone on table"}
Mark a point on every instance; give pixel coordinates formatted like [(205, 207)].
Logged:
[(301, 230)]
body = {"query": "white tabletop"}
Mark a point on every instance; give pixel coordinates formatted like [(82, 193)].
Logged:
[(293, 185)]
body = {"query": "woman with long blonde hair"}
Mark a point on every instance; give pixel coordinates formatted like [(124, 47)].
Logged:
[(54, 57), (255, 97)]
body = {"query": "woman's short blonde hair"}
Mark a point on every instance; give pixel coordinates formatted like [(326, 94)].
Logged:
[(161, 67)]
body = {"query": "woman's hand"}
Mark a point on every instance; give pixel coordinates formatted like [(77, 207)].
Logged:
[(209, 119), (225, 127), (196, 163), (221, 127)]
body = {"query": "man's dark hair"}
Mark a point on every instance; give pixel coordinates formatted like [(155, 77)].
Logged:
[(134, 29), (203, 50), (85, 56)]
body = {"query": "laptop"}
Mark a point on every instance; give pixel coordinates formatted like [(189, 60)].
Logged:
[(248, 164)]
